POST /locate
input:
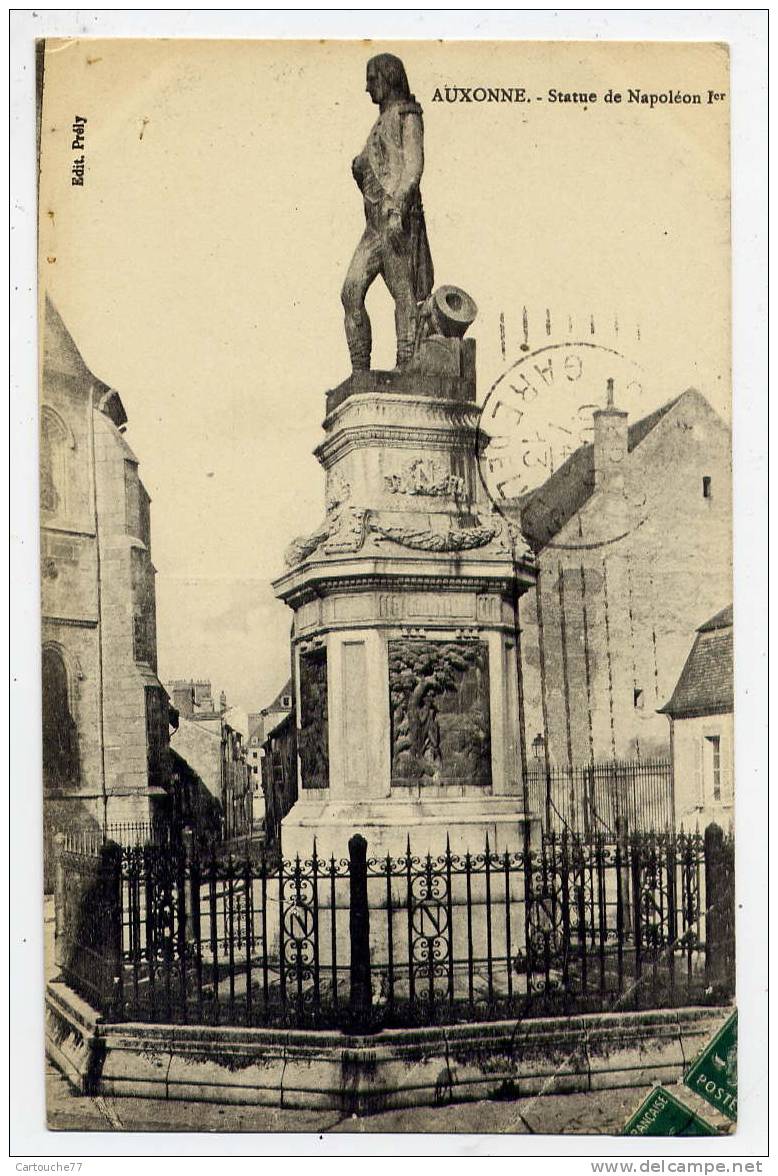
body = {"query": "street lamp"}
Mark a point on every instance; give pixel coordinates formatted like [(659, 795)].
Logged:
[(539, 750)]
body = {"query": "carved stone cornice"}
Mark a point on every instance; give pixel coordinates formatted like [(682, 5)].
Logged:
[(388, 410), (412, 382), (463, 438), (301, 586)]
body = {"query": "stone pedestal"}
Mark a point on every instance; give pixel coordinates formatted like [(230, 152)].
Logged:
[(404, 638)]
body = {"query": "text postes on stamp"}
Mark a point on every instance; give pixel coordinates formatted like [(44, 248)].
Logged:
[(714, 1073)]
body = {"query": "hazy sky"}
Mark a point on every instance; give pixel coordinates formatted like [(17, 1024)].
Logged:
[(199, 267)]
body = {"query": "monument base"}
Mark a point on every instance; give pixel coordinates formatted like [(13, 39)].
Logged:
[(387, 824)]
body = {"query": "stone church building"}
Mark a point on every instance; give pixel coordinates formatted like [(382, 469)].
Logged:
[(633, 541), (105, 712)]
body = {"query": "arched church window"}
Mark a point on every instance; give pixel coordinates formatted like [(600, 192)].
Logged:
[(60, 734), (55, 442)]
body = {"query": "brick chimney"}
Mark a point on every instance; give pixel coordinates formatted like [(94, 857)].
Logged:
[(610, 444)]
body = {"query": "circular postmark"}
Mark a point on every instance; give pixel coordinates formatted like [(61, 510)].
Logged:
[(536, 450)]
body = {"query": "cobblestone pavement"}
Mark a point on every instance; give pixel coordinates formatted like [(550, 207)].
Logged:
[(601, 1113)]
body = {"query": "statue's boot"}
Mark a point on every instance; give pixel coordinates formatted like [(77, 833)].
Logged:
[(359, 339), (405, 318)]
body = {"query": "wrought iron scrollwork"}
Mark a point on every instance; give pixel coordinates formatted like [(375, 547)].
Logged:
[(299, 931), (651, 898), (571, 923), (430, 923), (547, 897)]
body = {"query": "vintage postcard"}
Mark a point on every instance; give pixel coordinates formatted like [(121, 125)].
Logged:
[(386, 586)]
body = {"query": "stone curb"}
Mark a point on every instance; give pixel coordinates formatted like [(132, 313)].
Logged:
[(392, 1069)]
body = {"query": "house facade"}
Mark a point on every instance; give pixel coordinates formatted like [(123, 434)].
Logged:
[(701, 714), (194, 696), (279, 774), (633, 541), (105, 712), (260, 723), (215, 752), (254, 754)]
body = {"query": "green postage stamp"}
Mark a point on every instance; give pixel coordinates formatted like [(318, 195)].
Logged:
[(714, 1074), (661, 1113)]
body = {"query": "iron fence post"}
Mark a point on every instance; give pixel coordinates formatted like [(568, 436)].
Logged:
[(111, 886), (59, 900), (361, 997), (623, 832), (719, 911), (186, 866), (548, 802)]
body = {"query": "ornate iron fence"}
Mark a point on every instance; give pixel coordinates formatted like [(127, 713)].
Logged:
[(365, 942), (87, 911), (611, 798), (139, 832)]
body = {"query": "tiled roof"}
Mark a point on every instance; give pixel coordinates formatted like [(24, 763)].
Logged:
[(276, 704), (255, 731), (706, 684), (722, 620), (546, 510)]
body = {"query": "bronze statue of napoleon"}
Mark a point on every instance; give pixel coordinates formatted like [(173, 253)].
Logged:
[(394, 244)]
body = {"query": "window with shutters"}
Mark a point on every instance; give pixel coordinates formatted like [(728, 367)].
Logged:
[(711, 767), (699, 795), (727, 791)]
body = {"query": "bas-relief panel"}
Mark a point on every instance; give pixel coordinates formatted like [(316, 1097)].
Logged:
[(439, 698), (313, 736), (425, 477)]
